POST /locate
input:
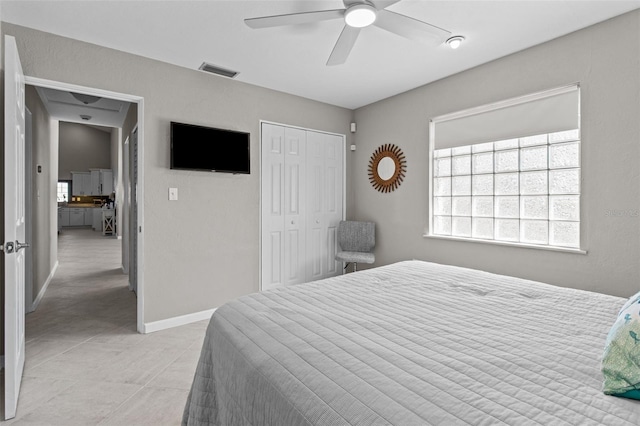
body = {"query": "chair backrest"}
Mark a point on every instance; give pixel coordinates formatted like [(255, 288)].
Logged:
[(356, 236)]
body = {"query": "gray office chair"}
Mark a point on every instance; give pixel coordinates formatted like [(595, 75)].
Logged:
[(356, 241)]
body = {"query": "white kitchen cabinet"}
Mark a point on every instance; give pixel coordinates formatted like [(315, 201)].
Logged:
[(76, 216), (107, 181), (101, 182), (96, 222), (63, 217), (80, 183), (95, 182), (86, 183), (88, 216)]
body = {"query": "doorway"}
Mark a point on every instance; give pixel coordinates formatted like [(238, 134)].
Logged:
[(128, 210)]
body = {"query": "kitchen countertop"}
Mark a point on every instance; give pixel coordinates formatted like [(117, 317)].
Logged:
[(80, 205)]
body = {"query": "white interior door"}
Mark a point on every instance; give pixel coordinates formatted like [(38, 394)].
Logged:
[(133, 234), (294, 205), (14, 226), (325, 191), (272, 182)]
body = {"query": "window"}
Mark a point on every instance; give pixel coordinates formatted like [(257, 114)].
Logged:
[(63, 191), (522, 190)]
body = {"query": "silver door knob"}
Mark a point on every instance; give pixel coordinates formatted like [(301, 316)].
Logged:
[(20, 245), (7, 248)]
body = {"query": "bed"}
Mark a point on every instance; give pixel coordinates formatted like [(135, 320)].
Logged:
[(413, 343)]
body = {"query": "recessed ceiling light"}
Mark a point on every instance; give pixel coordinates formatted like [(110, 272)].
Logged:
[(360, 15), (455, 41)]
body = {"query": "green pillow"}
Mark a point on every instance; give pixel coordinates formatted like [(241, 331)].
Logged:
[(621, 359)]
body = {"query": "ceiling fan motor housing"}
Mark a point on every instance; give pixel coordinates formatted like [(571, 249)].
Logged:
[(360, 15)]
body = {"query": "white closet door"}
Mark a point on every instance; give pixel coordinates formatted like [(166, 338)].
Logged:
[(272, 206), (283, 206), (325, 186), (294, 205), (302, 203)]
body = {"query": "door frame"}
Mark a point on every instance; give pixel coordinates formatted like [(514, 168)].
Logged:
[(28, 209), (139, 100), (344, 179)]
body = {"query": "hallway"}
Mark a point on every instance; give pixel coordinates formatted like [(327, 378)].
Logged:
[(85, 363)]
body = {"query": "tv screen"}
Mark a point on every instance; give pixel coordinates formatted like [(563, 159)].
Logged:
[(208, 149)]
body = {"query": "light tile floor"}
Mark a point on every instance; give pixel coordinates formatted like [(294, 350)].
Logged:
[(85, 362)]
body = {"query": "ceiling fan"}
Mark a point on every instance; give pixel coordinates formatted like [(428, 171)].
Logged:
[(357, 14)]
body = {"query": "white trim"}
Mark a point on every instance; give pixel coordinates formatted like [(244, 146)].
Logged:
[(140, 208), (298, 127), (40, 295), (28, 210), (178, 321), (57, 85), (506, 243), (506, 103)]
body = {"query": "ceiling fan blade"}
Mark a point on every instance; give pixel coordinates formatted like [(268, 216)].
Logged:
[(294, 18), (410, 28), (343, 46), (383, 4)]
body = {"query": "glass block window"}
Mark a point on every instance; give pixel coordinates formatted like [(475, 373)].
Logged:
[(63, 192), (522, 190)]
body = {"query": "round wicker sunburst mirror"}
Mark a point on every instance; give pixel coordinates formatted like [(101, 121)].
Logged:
[(387, 167)]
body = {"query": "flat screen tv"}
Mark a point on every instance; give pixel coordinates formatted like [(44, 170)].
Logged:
[(208, 149)]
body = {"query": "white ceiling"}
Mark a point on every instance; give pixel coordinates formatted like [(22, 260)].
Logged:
[(292, 59), (64, 106)]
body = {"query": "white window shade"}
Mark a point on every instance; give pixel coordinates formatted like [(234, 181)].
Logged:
[(547, 112)]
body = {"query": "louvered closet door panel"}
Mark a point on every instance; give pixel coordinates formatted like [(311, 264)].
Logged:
[(325, 155), (294, 206), (273, 206)]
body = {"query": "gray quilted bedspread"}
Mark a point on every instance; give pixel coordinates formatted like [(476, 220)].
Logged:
[(412, 343)]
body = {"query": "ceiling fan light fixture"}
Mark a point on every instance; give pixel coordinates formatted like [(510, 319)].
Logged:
[(455, 41), (360, 15)]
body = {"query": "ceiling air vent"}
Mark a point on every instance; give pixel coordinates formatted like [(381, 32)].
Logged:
[(85, 117), (217, 70)]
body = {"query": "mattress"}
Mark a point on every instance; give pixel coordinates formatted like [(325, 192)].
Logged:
[(413, 343)]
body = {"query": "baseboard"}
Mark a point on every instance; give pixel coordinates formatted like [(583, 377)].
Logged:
[(164, 324), (37, 300)]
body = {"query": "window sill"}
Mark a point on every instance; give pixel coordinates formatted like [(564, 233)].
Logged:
[(508, 244)]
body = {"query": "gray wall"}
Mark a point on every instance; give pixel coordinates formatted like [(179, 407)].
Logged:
[(202, 250), (44, 205), (609, 74), (82, 148)]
